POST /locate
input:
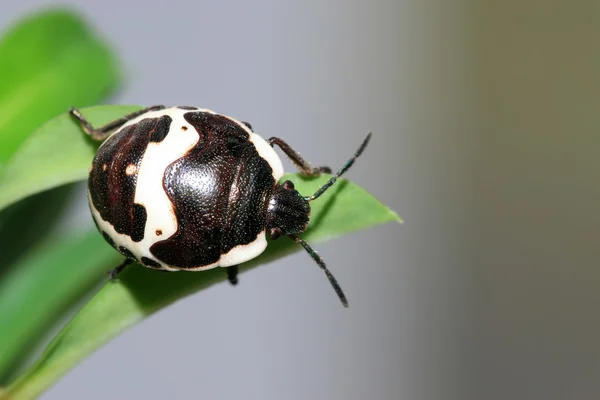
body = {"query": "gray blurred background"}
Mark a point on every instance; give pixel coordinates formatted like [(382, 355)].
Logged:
[(486, 118)]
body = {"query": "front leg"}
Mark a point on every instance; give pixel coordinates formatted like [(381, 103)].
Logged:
[(105, 131), (303, 166), (114, 273)]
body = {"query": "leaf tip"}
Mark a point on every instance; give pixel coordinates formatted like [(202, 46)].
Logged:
[(398, 219), (394, 216)]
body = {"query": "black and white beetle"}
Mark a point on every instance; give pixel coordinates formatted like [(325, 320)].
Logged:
[(185, 188)]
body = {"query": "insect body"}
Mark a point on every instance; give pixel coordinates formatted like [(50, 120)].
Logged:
[(185, 188)]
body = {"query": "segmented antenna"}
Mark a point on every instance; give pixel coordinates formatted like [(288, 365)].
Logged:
[(318, 193), (321, 264), (342, 170)]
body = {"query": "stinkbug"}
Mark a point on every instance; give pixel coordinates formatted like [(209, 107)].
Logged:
[(186, 188)]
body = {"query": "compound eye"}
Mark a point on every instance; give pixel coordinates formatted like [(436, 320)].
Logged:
[(288, 185)]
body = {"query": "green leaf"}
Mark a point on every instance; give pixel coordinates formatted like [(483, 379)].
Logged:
[(49, 61), (33, 218), (48, 280), (140, 291), (56, 153)]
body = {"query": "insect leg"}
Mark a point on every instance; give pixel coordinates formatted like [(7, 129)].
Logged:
[(113, 273), (103, 132), (232, 273), (303, 166)]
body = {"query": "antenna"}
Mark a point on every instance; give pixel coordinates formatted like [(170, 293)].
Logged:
[(322, 189), (342, 170), (321, 264)]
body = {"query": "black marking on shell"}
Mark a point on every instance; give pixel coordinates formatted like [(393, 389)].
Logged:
[(127, 253), (112, 190), (248, 125), (160, 132), (236, 145), (187, 107), (219, 190), (138, 223), (148, 262)]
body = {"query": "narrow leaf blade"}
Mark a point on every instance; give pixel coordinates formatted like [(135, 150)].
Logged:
[(42, 285)]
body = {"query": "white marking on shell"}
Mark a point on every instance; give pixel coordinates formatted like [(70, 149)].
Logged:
[(268, 153), (242, 253), (150, 191), (118, 238)]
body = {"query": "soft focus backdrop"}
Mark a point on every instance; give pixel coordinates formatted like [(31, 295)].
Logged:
[(486, 142)]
